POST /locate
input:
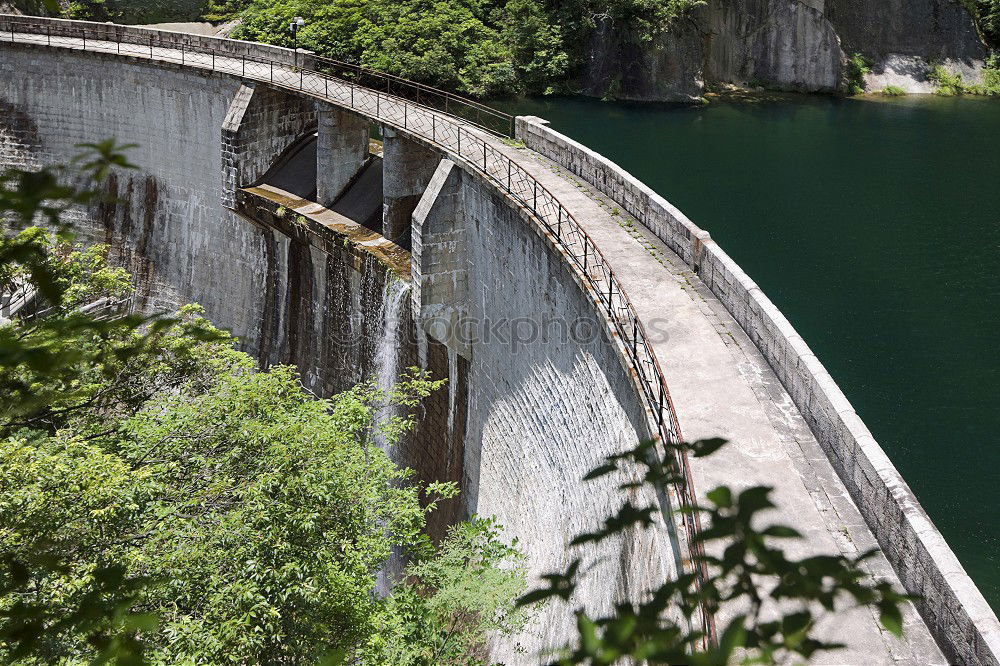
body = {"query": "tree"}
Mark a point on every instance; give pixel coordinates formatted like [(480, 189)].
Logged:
[(481, 48), (42, 362), (450, 603), (163, 500)]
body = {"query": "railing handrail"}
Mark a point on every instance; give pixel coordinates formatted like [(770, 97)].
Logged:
[(502, 123), (551, 214), (462, 99)]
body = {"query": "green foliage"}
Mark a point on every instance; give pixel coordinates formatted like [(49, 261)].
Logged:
[(858, 67), (636, 21), (990, 85), (987, 16), (892, 91), (162, 500), (478, 47), (44, 360), (772, 599), (991, 81), (135, 11), (448, 604), (948, 83), (250, 502)]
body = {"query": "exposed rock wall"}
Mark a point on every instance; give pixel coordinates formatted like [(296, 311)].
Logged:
[(796, 45), (785, 44)]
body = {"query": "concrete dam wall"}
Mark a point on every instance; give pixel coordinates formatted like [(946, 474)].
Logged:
[(519, 423), (556, 318)]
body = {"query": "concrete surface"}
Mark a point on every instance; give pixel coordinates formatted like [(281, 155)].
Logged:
[(721, 384)]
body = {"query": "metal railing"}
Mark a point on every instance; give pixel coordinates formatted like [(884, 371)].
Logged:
[(476, 113), (57, 32), (461, 138)]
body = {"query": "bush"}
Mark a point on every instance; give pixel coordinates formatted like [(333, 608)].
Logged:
[(163, 500), (892, 91), (857, 68), (948, 83)]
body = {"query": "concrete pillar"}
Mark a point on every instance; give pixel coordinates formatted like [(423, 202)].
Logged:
[(341, 150), (439, 260), (407, 167), (261, 123)]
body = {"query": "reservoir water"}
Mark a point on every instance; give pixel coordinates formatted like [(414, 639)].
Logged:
[(874, 225)]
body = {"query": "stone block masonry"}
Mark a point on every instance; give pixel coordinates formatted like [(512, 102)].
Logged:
[(440, 260), (341, 150), (261, 123), (549, 396), (407, 168), (953, 608)]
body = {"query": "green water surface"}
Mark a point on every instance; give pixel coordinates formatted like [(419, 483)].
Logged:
[(874, 225)]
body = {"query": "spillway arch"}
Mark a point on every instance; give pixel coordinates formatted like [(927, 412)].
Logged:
[(953, 608)]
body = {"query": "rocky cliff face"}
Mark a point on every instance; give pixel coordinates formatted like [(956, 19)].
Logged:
[(798, 45)]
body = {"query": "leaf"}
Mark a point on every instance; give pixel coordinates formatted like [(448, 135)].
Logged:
[(721, 497), (891, 618), (733, 637), (706, 447), (626, 517), (600, 471), (588, 634), (754, 499), (795, 623), (782, 532)]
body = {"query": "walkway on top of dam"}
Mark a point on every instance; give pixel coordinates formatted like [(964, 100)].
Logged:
[(719, 382)]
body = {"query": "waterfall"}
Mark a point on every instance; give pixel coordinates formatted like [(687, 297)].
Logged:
[(395, 297), (387, 348)]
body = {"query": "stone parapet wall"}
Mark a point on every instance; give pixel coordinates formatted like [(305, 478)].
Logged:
[(952, 606), (141, 36)]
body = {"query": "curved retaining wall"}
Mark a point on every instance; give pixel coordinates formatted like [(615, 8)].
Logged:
[(517, 426), (952, 606)]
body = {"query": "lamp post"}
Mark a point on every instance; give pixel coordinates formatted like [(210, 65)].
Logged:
[(294, 26)]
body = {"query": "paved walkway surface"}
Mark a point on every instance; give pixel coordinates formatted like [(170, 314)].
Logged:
[(720, 384)]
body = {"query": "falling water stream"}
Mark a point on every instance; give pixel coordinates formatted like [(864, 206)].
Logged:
[(387, 349), (387, 355)]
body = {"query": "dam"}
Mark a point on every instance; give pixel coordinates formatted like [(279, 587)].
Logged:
[(559, 296)]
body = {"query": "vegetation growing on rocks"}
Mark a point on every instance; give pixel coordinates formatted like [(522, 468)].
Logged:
[(858, 67), (949, 84)]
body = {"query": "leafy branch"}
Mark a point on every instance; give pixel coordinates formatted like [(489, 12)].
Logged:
[(774, 600)]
